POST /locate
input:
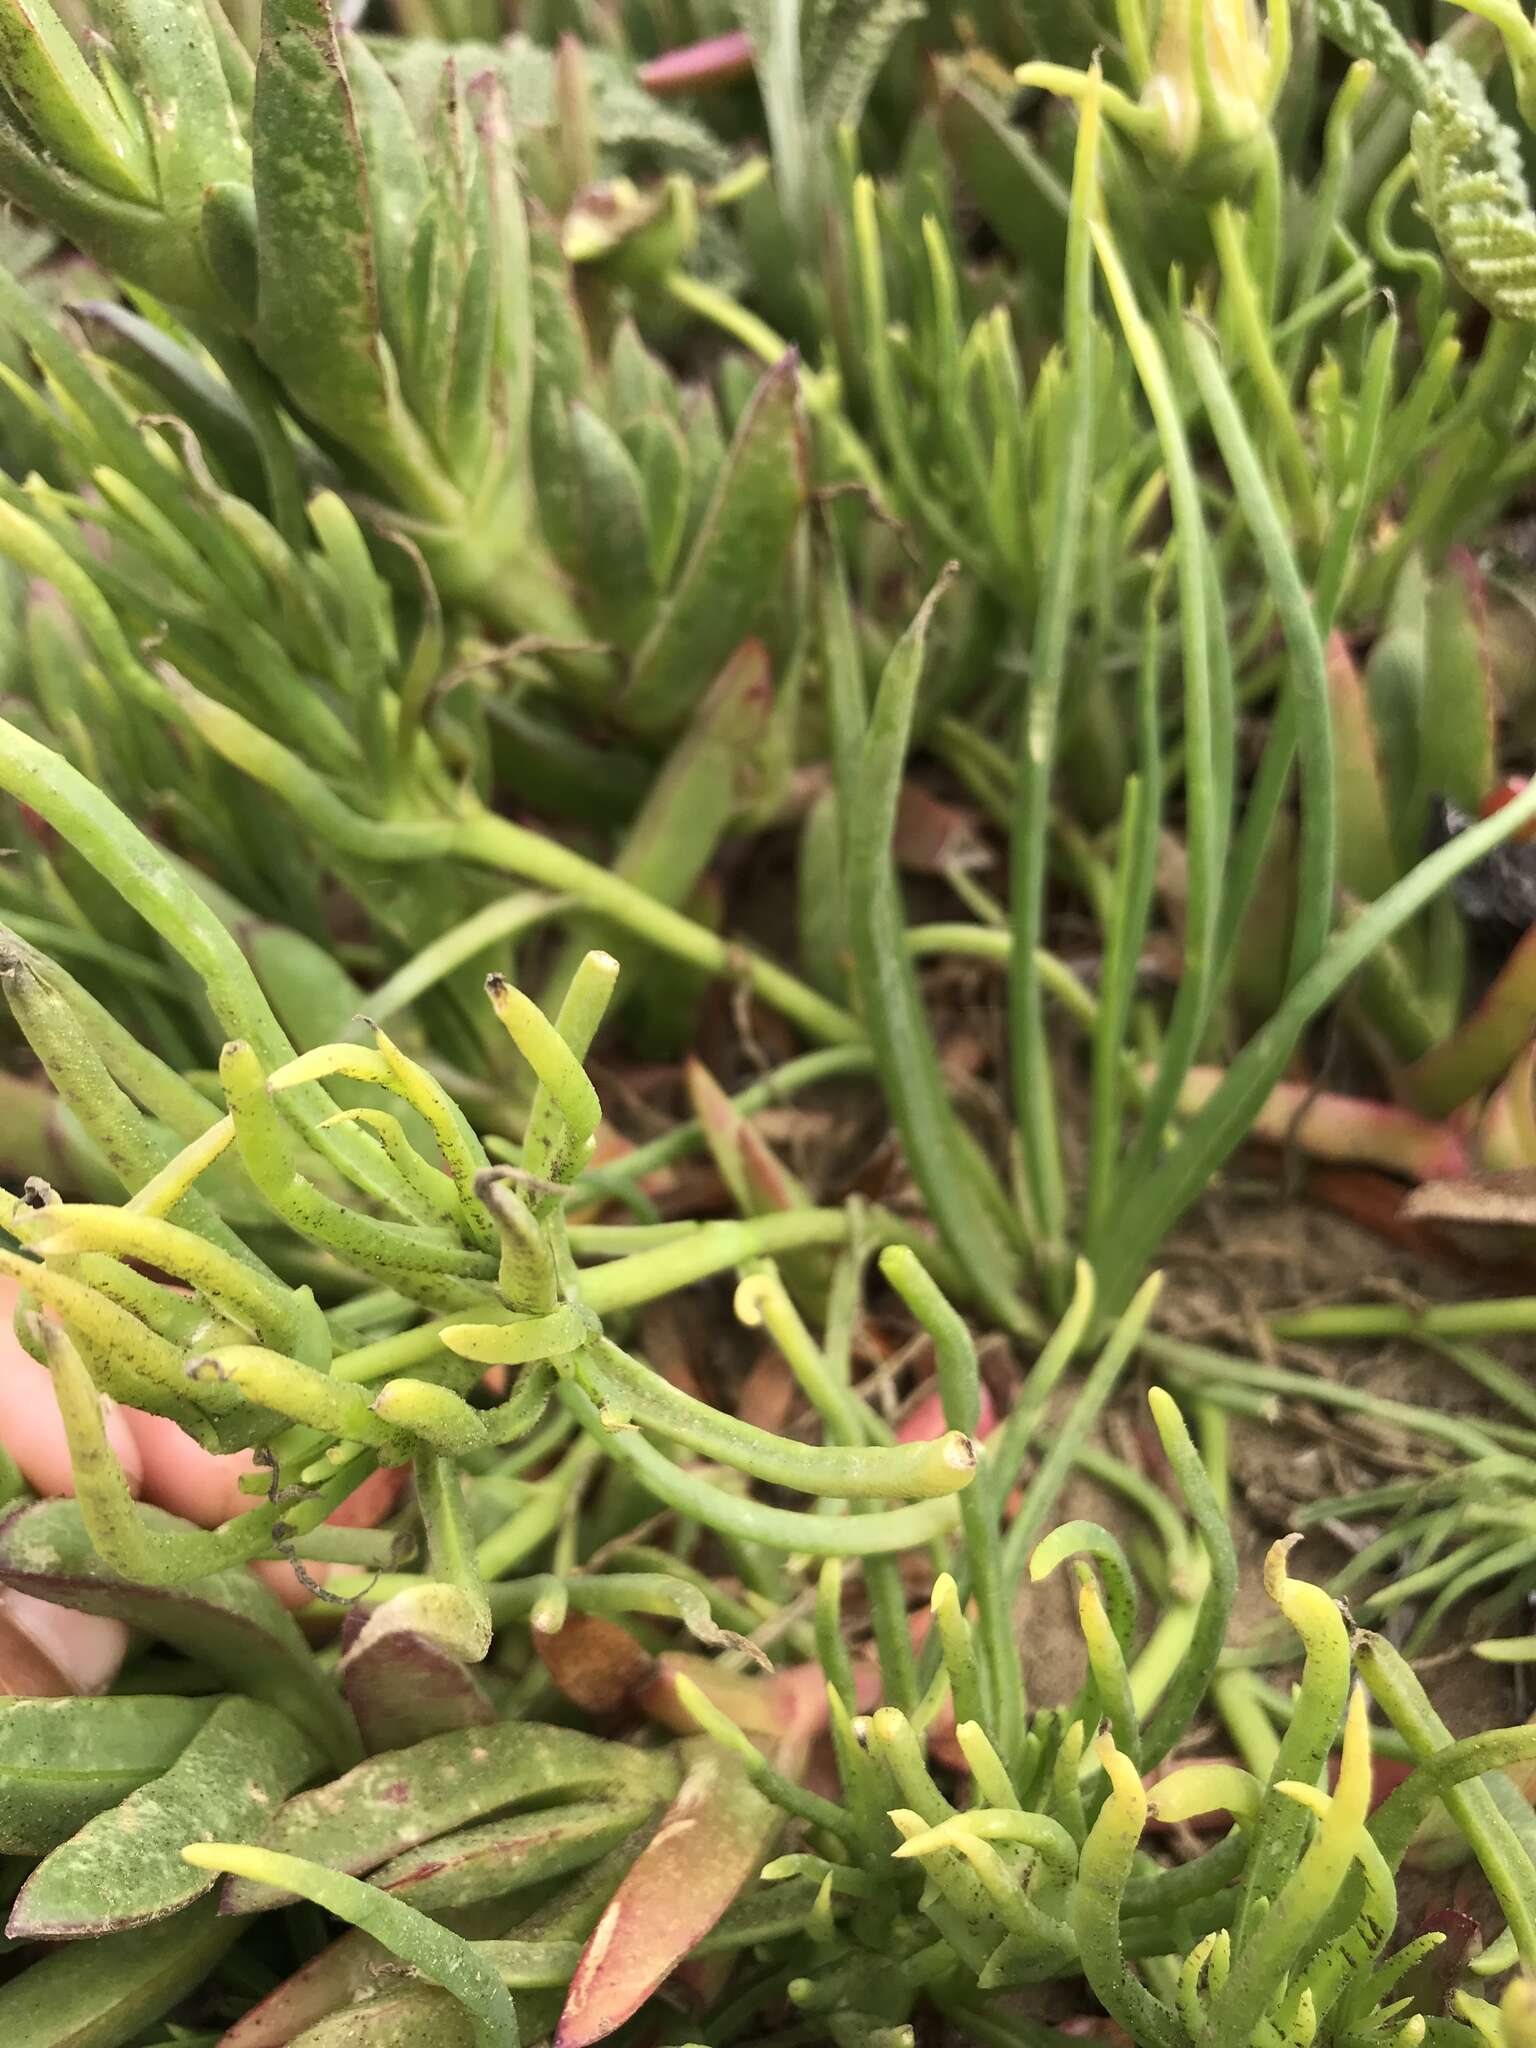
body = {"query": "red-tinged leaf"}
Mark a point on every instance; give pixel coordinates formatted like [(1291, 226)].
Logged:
[(722, 1125), (1483, 1045), (712, 1840), (406, 2015), (1366, 858), (596, 1663), (1376, 1203), (756, 1705), (342, 1975), (504, 1856), (1459, 713), (403, 1687), (760, 1183), (768, 1394), (771, 1184), (1432, 1984), (1347, 1128), (925, 1420), (395, 1801), (699, 1980)]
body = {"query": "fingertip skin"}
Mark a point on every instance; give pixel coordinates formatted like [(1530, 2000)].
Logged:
[(162, 1464), (83, 1651), (186, 1480), (32, 1429)]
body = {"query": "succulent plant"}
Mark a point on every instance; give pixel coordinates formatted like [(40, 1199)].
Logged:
[(456, 481)]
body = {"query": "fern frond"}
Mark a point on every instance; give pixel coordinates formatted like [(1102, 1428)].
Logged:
[(1365, 29), (626, 118), (844, 43), (1472, 183)]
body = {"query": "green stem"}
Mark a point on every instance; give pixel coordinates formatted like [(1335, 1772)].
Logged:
[(1253, 335)]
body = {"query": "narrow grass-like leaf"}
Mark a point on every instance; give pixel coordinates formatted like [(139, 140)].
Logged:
[(1308, 684), (1206, 830), (1227, 1116), (1130, 908), (1034, 1088), (439, 1956), (888, 992)]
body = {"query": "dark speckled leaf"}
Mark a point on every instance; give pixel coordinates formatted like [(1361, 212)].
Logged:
[(407, 1796), (405, 2016), (64, 1760), (502, 1856), (318, 318), (125, 1868), (346, 1974)]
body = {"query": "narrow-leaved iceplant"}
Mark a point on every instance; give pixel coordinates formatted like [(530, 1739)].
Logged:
[(361, 503)]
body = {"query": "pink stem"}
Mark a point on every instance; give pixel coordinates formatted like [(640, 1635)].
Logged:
[(698, 67)]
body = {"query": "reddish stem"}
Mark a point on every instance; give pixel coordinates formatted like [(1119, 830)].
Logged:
[(1347, 1128), (699, 67)]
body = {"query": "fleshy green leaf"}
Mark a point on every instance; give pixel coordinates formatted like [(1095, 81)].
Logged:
[(63, 1761), (97, 1994), (390, 1803), (125, 1867), (733, 569), (228, 1621), (710, 1842)]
